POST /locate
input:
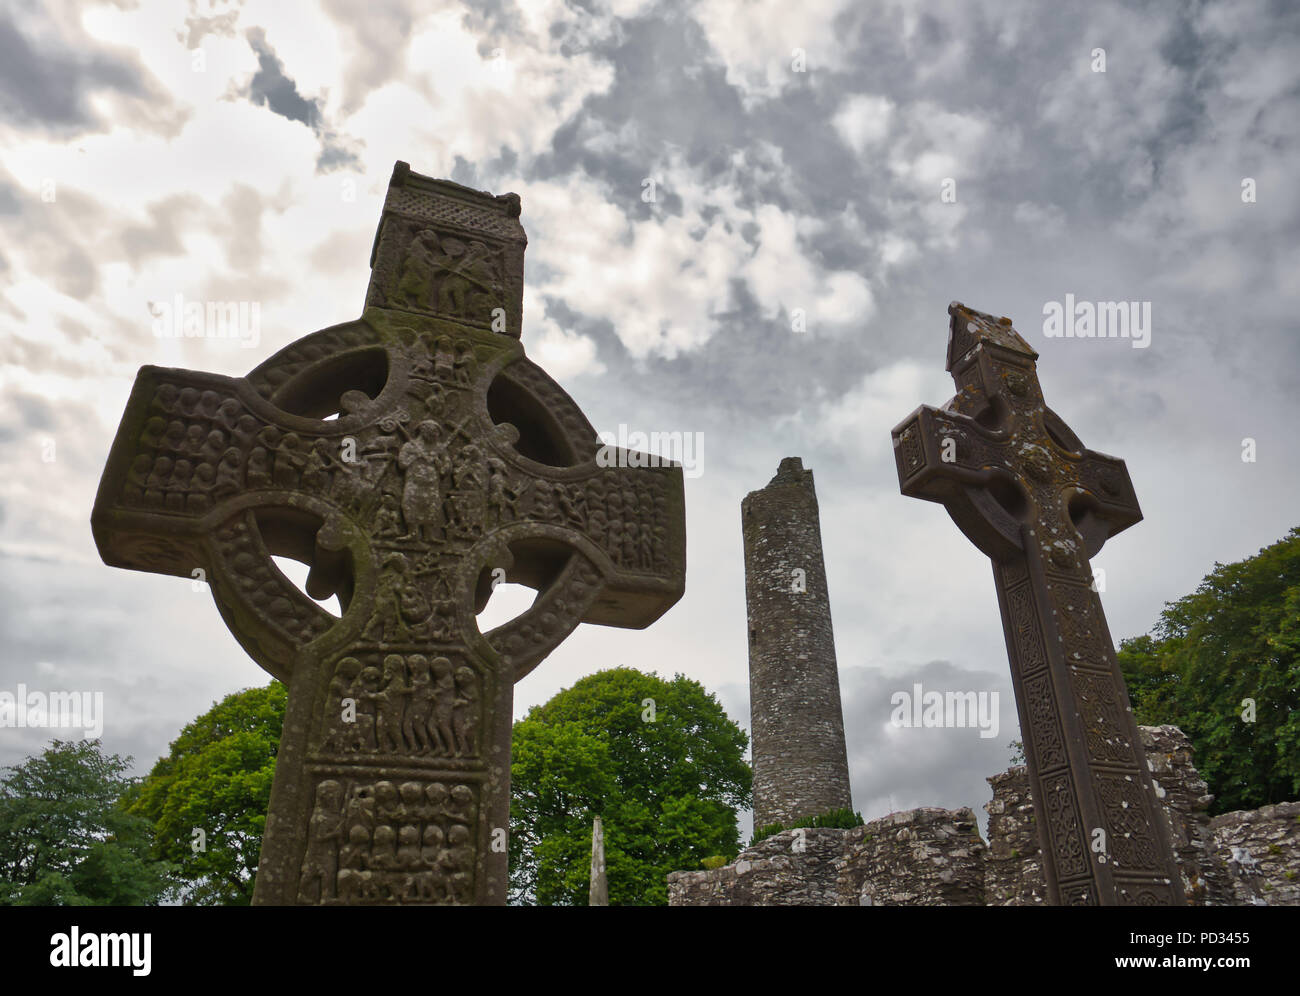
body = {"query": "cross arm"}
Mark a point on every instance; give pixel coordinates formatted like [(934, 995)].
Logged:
[(620, 562), (143, 518), (949, 458), (939, 451), (171, 501)]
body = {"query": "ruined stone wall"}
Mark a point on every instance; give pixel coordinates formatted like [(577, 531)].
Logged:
[(1186, 800), (791, 868), (801, 765), (1013, 873), (1259, 851), (923, 857), (935, 857)]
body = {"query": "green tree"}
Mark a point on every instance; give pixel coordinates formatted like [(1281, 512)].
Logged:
[(64, 838), (217, 780), (658, 760), (1017, 748), (1236, 638)]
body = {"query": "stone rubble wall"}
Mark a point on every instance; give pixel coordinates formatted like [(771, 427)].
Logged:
[(791, 868), (1186, 800), (923, 857), (935, 857), (1013, 873), (1260, 852)]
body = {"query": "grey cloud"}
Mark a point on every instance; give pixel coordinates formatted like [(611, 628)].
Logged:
[(36, 413), (497, 22), (662, 105), (465, 172), (752, 371), (161, 237), (46, 85), (339, 152), (271, 88), (72, 627), (897, 769)]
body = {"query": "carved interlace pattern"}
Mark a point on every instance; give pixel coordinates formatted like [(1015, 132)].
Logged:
[(1063, 823), (1128, 817), (1103, 720), (447, 211), (1045, 727)]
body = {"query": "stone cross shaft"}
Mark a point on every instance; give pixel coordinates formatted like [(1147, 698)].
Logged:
[(1022, 487), (412, 458)]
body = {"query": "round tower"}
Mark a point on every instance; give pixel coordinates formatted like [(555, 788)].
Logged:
[(801, 767)]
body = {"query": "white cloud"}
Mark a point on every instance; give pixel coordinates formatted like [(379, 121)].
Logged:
[(663, 282), (863, 121), (859, 421), (756, 41), (939, 143), (562, 353)]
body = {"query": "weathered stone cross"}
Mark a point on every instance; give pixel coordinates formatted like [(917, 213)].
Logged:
[(412, 458), (1023, 489)]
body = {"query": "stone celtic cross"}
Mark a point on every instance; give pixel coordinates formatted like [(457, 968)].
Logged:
[(1022, 487), (412, 458)]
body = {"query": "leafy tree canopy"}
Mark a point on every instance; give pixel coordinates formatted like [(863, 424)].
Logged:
[(64, 838), (658, 760), (1223, 664), (207, 799)]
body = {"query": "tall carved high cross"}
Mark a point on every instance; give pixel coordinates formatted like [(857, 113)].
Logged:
[(412, 458), (1023, 489)]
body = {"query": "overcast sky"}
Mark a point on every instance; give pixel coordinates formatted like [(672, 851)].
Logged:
[(800, 154)]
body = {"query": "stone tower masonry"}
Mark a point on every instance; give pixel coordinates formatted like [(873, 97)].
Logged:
[(801, 766)]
